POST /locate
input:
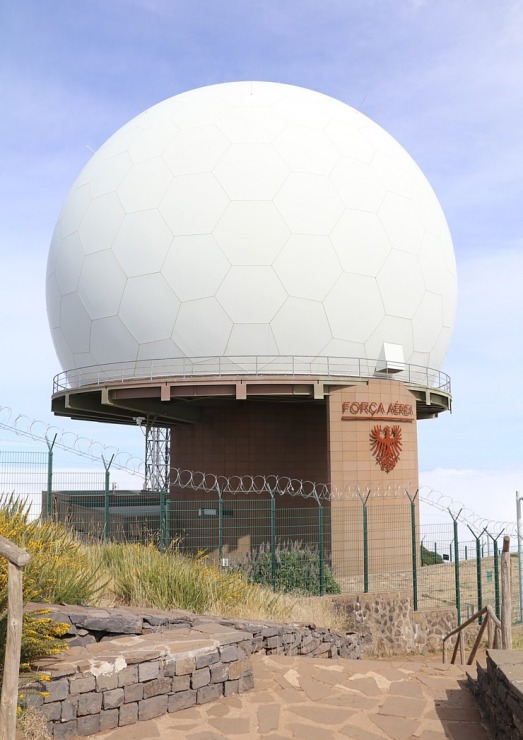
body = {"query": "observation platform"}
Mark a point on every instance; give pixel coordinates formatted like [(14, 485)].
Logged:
[(165, 392)]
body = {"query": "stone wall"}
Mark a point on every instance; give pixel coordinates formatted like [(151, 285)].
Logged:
[(124, 665), (499, 688), (388, 623)]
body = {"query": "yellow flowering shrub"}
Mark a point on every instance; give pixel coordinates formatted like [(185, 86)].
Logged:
[(58, 572)]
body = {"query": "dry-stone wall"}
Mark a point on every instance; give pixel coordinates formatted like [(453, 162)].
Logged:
[(388, 623), (124, 665), (499, 688)]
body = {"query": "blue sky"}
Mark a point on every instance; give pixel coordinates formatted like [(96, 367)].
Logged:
[(444, 77)]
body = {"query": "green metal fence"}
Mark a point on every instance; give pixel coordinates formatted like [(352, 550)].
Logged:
[(362, 543)]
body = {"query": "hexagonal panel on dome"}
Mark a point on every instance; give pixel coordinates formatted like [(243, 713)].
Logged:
[(100, 223), (449, 300), (427, 322), (121, 140), (419, 359), (434, 269), (308, 266), (166, 110), (342, 348), (53, 300), (101, 284), (251, 232), (74, 209), (142, 242), (111, 341), (392, 330), (200, 112), (106, 178), (196, 150), (251, 172), (401, 284), (360, 242), (202, 328), (309, 204), (83, 360), (62, 349), (195, 266), (447, 250), (349, 142), (299, 109), (193, 204), (427, 206), (396, 173), (300, 327), (250, 125), (145, 185), (380, 140), (161, 349), (75, 323), (357, 185), (69, 261), (250, 340), (251, 295), (149, 308), (354, 307), (439, 350), (402, 223), (306, 150), (153, 141)]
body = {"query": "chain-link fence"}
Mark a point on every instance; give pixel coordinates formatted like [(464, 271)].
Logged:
[(278, 533)]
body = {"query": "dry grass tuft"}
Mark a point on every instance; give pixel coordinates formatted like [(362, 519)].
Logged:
[(142, 576), (33, 725)]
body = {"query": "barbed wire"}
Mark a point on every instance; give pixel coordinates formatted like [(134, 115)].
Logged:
[(40, 431), (272, 485), (464, 514)]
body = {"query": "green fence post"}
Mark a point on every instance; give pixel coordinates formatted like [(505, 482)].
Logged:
[(168, 521), (365, 541), (478, 569), (414, 548), (107, 465), (220, 524), (456, 563), (321, 544), (162, 520), (50, 445), (273, 540), (496, 579), (322, 551), (496, 571)]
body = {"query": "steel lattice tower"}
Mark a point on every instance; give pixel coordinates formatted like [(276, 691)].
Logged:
[(157, 447)]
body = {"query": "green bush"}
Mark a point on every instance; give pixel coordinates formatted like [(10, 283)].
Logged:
[(429, 557), (297, 569)]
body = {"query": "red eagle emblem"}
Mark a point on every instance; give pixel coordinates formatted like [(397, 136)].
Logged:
[(385, 445)]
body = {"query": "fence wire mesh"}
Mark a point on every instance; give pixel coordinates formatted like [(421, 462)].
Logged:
[(364, 543)]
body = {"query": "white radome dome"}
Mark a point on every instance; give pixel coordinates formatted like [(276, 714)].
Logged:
[(250, 218)]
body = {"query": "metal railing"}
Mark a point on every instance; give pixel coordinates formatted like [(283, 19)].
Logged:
[(264, 365)]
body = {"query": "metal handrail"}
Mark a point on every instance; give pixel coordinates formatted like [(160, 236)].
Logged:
[(255, 365), (494, 641)]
